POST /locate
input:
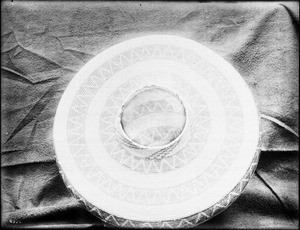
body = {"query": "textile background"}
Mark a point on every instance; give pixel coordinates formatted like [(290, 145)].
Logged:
[(44, 44)]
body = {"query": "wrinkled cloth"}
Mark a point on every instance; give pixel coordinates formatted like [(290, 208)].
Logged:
[(44, 44)]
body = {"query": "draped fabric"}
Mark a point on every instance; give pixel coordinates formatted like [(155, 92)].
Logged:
[(44, 44)]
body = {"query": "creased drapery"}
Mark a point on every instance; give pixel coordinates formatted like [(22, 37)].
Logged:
[(44, 44)]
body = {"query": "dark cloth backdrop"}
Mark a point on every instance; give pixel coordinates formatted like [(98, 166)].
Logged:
[(44, 44)]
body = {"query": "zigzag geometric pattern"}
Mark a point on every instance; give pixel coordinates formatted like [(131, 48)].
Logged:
[(168, 195), (175, 194), (200, 130), (185, 222)]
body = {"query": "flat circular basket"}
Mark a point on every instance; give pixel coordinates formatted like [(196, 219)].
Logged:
[(157, 131)]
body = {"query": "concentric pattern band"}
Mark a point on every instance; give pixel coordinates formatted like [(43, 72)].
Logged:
[(150, 196), (200, 129), (186, 222), (181, 192)]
